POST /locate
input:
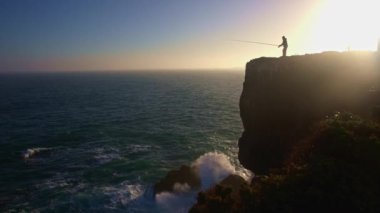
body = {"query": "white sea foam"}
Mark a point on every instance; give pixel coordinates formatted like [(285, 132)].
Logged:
[(59, 180), (123, 194), (134, 148), (29, 153), (212, 168), (181, 188), (105, 155), (174, 202)]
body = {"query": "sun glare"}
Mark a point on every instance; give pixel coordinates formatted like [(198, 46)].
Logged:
[(347, 25)]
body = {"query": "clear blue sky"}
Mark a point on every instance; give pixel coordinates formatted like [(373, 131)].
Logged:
[(143, 34), (65, 27)]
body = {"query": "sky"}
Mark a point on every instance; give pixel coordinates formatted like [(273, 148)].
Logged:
[(70, 35)]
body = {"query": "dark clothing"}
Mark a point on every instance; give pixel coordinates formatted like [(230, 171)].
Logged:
[(284, 42), (285, 45)]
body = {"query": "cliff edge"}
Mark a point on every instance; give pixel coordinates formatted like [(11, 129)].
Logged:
[(283, 97), (311, 136)]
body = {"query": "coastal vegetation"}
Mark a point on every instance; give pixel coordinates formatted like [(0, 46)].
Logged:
[(336, 168)]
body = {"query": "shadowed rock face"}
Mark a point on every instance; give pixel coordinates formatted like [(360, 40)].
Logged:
[(282, 97)]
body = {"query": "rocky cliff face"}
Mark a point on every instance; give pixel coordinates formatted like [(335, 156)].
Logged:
[(283, 97)]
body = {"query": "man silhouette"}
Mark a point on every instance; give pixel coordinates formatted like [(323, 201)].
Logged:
[(285, 45)]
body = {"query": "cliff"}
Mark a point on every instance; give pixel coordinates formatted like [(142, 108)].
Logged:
[(282, 97), (311, 136), (334, 169)]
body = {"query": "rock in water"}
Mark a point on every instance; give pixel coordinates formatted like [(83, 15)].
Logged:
[(185, 175)]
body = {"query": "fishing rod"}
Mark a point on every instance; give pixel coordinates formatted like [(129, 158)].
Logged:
[(254, 42)]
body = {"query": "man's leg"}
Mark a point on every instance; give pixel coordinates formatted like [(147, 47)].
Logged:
[(284, 51)]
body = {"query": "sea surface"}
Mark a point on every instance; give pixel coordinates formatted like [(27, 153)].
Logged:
[(97, 142)]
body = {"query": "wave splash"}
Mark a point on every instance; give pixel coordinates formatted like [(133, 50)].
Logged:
[(212, 168)]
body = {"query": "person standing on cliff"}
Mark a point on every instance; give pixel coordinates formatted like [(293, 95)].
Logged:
[(285, 45)]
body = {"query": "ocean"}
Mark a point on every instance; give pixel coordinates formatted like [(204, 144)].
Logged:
[(98, 141)]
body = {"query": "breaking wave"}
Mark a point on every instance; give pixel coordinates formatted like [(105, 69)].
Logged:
[(212, 168)]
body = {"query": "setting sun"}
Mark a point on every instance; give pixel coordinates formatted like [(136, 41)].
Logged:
[(177, 35), (346, 25)]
